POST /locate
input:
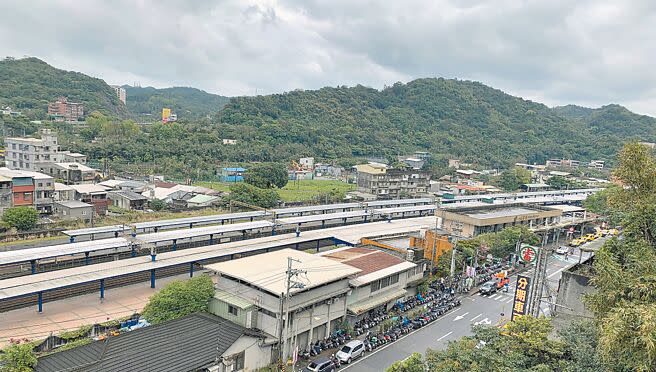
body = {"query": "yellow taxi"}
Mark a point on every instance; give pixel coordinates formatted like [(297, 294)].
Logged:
[(575, 242)]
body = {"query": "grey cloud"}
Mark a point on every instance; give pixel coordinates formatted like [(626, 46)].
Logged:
[(557, 52)]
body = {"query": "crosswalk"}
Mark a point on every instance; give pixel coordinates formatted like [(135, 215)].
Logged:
[(501, 297)]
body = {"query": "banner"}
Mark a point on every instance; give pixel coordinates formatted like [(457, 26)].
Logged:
[(521, 296)]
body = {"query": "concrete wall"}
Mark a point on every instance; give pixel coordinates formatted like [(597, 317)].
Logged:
[(571, 289), (255, 355)]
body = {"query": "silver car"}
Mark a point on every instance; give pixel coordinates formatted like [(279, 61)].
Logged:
[(350, 351)]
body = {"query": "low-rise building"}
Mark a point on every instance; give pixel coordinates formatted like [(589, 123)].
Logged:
[(71, 157), (390, 183), (196, 342), (68, 173), (203, 201), (472, 221), (31, 189), (5, 194), (127, 200), (317, 304), (73, 210), (596, 164), (125, 185), (567, 163), (93, 194), (63, 110), (232, 174), (63, 192), (383, 280), (328, 170)]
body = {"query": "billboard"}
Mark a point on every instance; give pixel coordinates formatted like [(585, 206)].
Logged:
[(166, 114), (521, 296)]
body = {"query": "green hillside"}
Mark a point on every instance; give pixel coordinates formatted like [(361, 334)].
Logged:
[(185, 102), (449, 118), (28, 84)]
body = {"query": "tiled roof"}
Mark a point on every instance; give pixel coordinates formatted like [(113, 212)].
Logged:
[(186, 344), (365, 259)]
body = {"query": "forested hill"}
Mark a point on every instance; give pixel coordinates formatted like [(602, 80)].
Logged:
[(185, 102), (28, 84), (456, 118), (612, 121)]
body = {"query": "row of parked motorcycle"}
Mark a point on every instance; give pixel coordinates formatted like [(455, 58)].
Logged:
[(433, 304)]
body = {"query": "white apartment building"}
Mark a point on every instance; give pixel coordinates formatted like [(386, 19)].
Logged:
[(120, 93), (24, 153)]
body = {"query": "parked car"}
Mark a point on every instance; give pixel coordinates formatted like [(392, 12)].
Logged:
[(320, 365), (350, 351), (488, 288), (562, 249)]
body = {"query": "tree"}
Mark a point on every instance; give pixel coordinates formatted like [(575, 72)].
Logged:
[(624, 272), (267, 175), (245, 193), (512, 179), (157, 204), (179, 298), (559, 182), (414, 363), (18, 357), (21, 218)]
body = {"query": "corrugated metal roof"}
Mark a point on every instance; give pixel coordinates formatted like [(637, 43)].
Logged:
[(185, 344), (232, 299)]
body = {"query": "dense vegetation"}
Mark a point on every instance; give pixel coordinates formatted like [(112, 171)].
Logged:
[(621, 335), (179, 298), (448, 118), (188, 103), (28, 84)]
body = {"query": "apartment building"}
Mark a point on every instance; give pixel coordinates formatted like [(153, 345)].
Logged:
[(390, 183), (62, 110), (568, 163), (24, 153), (120, 93), (5, 194), (30, 189), (68, 173)]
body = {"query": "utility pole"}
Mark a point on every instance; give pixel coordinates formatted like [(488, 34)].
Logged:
[(291, 283), (539, 277)]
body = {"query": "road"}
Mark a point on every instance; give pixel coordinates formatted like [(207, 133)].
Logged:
[(475, 309)]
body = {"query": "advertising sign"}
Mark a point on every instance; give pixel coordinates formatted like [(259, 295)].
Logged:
[(521, 296)]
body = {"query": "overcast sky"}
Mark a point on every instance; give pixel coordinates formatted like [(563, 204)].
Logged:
[(556, 52)]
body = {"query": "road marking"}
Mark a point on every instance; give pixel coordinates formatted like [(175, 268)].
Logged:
[(474, 318), (446, 335), (556, 272), (484, 321), (460, 316), (509, 300), (392, 343)]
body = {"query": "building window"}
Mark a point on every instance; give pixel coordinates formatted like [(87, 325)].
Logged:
[(375, 286), (233, 310), (40, 184), (394, 279), (84, 213)]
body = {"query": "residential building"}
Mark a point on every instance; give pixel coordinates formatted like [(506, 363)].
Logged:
[(328, 170), (24, 153), (127, 200), (125, 185), (473, 221), (383, 279), (62, 110), (31, 188), (414, 163), (228, 141), (257, 285), (454, 163), (71, 157), (73, 210), (432, 240), (196, 342), (423, 155), (68, 173), (44, 188), (203, 201), (529, 187), (63, 192), (120, 93), (10, 112), (566, 163), (5, 194), (596, 164), (306, 163), (232, 174), (390, 183), (95, 195)]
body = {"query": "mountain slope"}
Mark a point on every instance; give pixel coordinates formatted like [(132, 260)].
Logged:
[(450, 118), (28, 84), (185, 102)]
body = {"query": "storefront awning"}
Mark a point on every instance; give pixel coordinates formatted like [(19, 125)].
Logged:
[(375, 300)]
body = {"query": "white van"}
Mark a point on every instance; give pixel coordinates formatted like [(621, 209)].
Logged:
[(350, 351)]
